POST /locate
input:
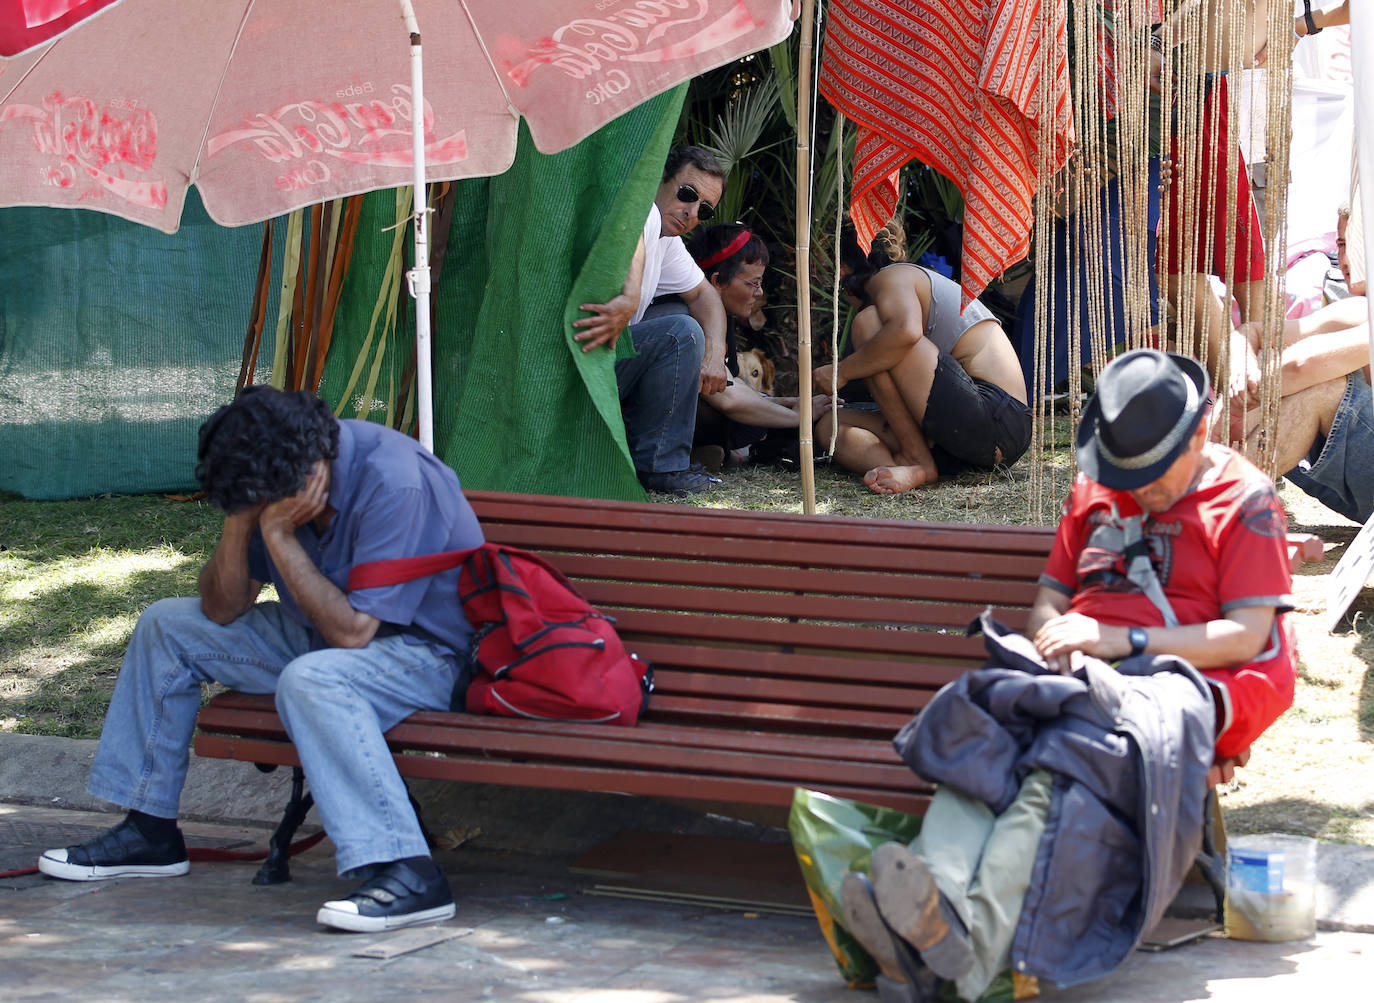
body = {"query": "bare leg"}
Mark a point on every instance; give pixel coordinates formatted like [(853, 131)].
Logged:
[(864, 440), (1302, 417), (1249, 298), (867, 445), (902, 393), (912, 463)]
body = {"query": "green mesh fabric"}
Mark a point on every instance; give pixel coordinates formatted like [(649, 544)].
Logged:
[(517, 405), (115, 342)]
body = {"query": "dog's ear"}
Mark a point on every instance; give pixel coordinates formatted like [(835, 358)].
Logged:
[(768, 372)]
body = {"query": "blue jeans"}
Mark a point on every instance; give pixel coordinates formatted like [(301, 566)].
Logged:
[(335, 702), (659, 386), (1339, 470), (1076, 270)]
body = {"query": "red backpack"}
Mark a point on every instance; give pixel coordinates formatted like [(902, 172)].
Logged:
[(541, 650)]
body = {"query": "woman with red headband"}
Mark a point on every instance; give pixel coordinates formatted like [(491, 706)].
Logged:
[(734, 260)]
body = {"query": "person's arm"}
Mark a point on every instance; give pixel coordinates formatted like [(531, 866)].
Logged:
[(744, 404), (1321, 357), (703, 303), (609, 319), (1049, 603), (900, 325), (227, 588), (1233, 639), (322, 602), (1330, 18)]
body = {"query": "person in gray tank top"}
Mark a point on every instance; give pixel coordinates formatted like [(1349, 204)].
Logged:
[(946, 381)]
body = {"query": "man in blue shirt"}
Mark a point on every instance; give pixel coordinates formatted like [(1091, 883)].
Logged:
[(307, 497)]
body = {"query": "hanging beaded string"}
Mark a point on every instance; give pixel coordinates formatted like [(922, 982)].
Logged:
[(1278, 79)]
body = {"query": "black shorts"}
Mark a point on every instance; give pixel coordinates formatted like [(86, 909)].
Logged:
[(969, 419)]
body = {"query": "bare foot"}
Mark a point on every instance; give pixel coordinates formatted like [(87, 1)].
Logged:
[(894, 480)]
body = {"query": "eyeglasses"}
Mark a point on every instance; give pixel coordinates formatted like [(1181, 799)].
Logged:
[(688, 194)]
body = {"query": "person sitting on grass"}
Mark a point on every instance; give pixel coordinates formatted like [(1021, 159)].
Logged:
[(1072, 791), (306, 497), (734, 260), (678, 350), (947, 382), (1325, 426)]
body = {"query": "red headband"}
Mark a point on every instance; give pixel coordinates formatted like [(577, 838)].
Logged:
[(742, 238)]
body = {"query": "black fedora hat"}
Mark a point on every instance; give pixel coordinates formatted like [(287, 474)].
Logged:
[(1142, 417)]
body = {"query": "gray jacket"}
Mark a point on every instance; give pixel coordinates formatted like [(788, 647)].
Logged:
[(1130, 748)]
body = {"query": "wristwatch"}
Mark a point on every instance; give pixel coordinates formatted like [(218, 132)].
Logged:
[(1312, 28), (1139, 640)]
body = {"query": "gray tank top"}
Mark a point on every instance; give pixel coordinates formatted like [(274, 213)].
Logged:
[(945, 325)]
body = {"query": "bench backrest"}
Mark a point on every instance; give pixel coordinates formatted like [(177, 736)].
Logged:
[(769, 620)]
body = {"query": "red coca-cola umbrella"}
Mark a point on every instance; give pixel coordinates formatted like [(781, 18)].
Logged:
[(270, 105)]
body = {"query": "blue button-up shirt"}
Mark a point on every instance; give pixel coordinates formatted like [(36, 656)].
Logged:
[(391, 498)]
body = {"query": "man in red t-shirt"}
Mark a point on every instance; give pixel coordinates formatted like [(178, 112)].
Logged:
[(1212, 583), (1169, 545)]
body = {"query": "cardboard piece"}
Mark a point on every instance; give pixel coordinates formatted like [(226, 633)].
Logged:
[(408, 941)]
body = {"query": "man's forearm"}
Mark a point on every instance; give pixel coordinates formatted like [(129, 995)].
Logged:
[(1210, 645), (322, 602), (227, 589), (887, 348), (1321, 357), (743, 404)]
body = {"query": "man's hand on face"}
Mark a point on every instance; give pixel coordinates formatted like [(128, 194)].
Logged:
[(286, 515), (1064, 639), (608, 320), (713, 376)]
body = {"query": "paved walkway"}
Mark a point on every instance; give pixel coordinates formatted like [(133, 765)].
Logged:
[(525, 931)]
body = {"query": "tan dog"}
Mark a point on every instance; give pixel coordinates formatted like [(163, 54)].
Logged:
[(756, 369)]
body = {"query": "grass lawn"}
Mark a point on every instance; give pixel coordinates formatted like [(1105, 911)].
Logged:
[(75, 575)]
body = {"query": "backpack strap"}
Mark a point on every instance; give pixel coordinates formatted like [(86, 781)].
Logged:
[(395, 570), (1140, 569)]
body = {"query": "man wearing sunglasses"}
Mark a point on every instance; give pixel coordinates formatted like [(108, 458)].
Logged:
[(677, 355)]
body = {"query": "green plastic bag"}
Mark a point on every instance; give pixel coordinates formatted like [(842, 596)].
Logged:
[(833, 836)]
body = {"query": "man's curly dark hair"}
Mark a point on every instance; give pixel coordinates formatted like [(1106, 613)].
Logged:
[(261, 447)]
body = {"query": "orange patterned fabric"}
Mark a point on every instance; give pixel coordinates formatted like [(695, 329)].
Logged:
[(956, 84)]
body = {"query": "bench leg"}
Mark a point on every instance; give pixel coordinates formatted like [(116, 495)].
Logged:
[(276, 869), (1211, 859), (419, 818)]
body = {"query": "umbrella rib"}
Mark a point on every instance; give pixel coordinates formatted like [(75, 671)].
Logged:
[(25, 75), (219, 89), (482, 42)]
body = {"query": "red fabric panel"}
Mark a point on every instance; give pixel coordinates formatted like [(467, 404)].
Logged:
[(26, 24), (956, 84)]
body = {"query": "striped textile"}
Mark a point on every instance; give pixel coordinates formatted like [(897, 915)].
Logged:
[(954, 83)]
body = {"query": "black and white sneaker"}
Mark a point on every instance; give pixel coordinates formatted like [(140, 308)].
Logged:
[(398, 895), (121, 852)]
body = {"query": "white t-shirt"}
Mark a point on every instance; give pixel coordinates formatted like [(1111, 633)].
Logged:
[(668, 268)]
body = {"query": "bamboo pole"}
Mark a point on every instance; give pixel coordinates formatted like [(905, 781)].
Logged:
[(805, 70)]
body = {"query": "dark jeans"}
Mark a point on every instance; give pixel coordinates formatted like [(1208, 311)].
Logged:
[(658, 389)]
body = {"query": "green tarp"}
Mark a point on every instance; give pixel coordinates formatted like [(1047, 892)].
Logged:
[(116, 341)]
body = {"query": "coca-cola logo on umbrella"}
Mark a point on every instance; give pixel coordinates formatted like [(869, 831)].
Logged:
[(311, 134), (114, 145), (584, 47)]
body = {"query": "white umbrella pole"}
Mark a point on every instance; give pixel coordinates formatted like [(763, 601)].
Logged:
[(418, 277)]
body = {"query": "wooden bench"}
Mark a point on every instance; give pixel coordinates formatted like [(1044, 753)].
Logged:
[(787, 651)]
